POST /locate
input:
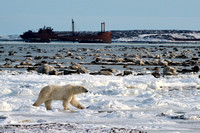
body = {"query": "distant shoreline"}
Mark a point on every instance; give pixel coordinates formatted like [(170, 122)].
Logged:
[(133, 42), (141, 36)]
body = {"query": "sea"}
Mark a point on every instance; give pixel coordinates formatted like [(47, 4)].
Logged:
[(168, 104)]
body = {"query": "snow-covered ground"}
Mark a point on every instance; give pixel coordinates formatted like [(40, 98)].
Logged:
[(10, 37), (158, 37), (166, 104)]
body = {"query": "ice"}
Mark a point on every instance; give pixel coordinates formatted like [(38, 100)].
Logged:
[(4, 106), (140, 102), (159, 37)]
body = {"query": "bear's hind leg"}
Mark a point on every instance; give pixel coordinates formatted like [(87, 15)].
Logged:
[(76, 104), (48, 104), (39, 102)]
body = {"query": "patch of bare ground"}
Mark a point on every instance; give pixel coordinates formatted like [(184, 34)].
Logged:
[(62, 127)]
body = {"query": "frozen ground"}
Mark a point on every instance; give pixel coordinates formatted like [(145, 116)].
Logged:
[(167, 104), (114, 103)]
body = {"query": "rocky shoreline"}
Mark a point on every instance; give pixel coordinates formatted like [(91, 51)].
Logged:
[(109, 60)]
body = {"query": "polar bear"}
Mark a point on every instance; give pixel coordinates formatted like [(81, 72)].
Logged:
[(66, 93)]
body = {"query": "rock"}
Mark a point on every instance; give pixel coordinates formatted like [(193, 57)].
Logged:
[(11, 53), (175, 49), (17, 66), (158, 56), (127, 73), (164, 63), (196, 59), (98, 59), (7, 59), (139, 62), (94, 73), (26, 63), (186, 71), (119, 60), (59, 65), (28, 52), (109, 69), (44, 62), (75, 66), (82, 70), (156, 74), (169, 71), (70, 54), (73, 63), (59, 55), (69, 72), (47, 69), (30, 69), (155, 62), (119, 74), (6, 65), (53, 62), (29, 59), (79, 58), (105, 73), (129, 60), (196, 69), (39, 50), (38, 57)]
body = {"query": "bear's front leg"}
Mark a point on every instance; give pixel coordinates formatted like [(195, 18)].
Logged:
[(75, 103), (48, 104), (66, 103)]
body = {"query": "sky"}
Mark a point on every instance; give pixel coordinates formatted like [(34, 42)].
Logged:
[(18, 16)]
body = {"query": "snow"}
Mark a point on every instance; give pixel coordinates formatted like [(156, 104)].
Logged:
[(10, 37), (165, 104), (156, 38), (137, 102)]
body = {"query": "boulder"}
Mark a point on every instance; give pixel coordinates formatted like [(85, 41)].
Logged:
[(139, 62), (79, 58), (82, 70), (109, 69), (38, 57), (196, 69), (127, 73), (105, 73), (169, 71), (156, 73), (47, 69), (26, 63), (162, 62), (75, 66), (98, 59), (69, 72), (30, 69)]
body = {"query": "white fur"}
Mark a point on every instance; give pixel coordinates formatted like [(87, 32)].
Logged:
[(66, 93)]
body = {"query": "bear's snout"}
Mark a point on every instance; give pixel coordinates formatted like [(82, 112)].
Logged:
[(86, 90)]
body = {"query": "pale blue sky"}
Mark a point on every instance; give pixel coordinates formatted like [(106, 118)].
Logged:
[(17, 16)]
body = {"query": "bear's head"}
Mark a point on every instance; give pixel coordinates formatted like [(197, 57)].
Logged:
[(80, 89)]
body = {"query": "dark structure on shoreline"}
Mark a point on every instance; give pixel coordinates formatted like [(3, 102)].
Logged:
[(47, 34)]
